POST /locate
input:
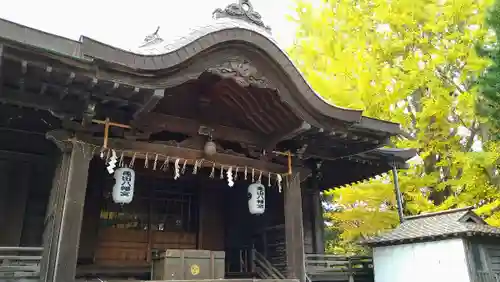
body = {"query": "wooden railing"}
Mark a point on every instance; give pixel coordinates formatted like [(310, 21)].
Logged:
[(239, 263), (21, 263), (264, 268), (253, 264), (487, 276), (339, 268)]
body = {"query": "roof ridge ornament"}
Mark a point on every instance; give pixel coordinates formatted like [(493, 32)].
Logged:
[(152, 39), (243, 10)]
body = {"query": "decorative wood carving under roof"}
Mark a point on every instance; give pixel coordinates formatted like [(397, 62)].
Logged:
[(242, 72)]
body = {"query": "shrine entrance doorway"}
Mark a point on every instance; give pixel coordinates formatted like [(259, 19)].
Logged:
[(196, 211)]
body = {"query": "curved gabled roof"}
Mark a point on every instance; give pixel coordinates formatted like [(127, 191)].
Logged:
[(211, 44)]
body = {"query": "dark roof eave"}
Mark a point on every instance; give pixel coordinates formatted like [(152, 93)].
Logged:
[(373, 124), (397, 155), (431, 214)]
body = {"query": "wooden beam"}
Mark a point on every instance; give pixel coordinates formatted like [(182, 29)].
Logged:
[(294, 229), (150, 103), (274, 139), (64, 216), (76, 107), (28, 157), (173, 152), (46, 77), (41, 102), (288, 134), (189, 154), (156, 122)]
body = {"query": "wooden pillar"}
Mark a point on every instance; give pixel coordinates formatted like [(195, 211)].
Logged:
[(294, 229), (64, 213), (91, 212), (318, 223), (317, 214)]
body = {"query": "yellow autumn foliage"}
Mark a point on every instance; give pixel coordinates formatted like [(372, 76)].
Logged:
[(411, 62)]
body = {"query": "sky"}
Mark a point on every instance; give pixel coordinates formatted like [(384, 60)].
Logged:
[(124, 24)]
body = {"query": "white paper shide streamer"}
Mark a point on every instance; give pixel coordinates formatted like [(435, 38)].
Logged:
[(230, 179), (112, 162)]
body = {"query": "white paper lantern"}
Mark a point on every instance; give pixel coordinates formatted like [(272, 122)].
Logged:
[(256, 198), (123, 190)]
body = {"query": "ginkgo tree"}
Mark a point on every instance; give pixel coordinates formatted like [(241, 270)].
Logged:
[(415, 63)]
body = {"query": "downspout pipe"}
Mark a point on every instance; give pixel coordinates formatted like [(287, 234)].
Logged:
[(397, 191)]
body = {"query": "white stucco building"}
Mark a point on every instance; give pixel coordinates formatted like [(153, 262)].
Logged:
[(450, 246)]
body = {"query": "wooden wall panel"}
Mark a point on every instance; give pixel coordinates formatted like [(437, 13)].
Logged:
[(129, 247), (4, 185), (24, 186), (211, 230), (40, 181), (18, 198)]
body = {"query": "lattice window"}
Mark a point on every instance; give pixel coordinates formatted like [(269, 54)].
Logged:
[(159, 204)]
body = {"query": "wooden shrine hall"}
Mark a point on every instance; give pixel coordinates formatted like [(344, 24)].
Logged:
[(222, 143)]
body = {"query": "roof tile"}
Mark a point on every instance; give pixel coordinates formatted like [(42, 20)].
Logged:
[(441, 224)]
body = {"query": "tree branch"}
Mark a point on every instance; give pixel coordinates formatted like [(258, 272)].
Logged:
[(470, 140), (490, 171), (468, 145)]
